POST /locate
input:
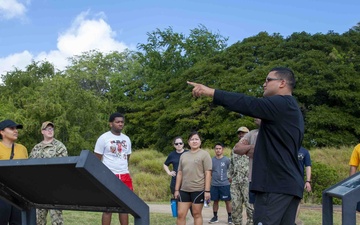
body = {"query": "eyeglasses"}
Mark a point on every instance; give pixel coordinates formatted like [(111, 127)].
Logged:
[(180, 143), (268, 79), (49, 129)]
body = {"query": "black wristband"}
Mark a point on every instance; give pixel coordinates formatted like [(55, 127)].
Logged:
[(207, 191), (308, 181)]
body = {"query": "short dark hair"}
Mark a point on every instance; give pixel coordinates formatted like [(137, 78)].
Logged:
[(286, 74), (114, 115), (194, 133), (219, 143)]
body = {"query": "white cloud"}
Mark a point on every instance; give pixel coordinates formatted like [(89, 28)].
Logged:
[(57, 58), (18, 60), (10, 9), (86, 34), (83, 35)]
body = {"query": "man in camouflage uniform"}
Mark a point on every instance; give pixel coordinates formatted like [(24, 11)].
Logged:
[(239, 189), (245, 147), (48, 148)]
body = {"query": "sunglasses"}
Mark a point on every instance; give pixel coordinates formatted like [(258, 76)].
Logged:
[(268, 79), (180, 143)]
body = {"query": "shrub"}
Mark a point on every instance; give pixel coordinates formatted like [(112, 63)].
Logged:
[(150, 187), (337, 157), (140, 155), (152, 166), (323, 177)]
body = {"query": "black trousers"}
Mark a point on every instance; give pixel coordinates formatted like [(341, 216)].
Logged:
[(275, 209), (9, 214)]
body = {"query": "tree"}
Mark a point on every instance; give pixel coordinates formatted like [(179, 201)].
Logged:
[(163, 61), (356, 28), (149, 87)]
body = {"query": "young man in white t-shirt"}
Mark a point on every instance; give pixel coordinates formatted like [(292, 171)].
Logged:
[(113, 148)]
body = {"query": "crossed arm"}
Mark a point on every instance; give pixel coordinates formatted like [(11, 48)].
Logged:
[(244, 148)]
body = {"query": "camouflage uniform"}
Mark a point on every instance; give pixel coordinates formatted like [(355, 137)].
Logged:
[(239, 189), (49, 150)]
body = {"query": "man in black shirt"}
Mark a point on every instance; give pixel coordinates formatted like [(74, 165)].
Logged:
[(276, 177)]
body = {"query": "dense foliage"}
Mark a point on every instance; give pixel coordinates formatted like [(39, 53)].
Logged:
[(149, 87)]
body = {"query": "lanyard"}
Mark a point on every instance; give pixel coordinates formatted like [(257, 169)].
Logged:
[(12, 152)]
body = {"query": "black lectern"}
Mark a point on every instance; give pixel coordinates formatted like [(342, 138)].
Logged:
[(70, 183), (349, 191)]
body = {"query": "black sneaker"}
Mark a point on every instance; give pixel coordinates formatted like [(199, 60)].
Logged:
[(230, 220), (214, 220)]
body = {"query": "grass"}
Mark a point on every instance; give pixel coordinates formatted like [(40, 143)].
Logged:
[(94, 218), (337, 157), (309, 215), (313, 216)]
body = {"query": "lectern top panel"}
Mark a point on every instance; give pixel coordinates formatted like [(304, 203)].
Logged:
[(348, 185), (76, 183)]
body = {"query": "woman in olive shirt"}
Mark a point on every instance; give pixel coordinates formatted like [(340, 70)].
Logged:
[(193, 181)]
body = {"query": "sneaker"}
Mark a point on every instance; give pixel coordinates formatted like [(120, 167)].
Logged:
[(230, 220), (214, 220)]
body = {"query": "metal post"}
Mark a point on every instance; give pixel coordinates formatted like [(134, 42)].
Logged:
[(348, 211), (28, 217), (327, 209), (144, 220)]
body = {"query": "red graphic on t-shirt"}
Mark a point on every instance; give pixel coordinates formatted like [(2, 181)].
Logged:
[(117, 147)]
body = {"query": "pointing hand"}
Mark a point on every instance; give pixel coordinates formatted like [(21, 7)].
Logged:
[(201, 90)]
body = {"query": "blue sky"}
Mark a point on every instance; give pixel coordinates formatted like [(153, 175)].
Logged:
[(57, 29)]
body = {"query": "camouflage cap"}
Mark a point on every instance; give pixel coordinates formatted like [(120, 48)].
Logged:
[(46, 123), (242, 129)]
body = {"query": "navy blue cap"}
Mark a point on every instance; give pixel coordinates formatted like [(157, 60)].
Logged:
[(9, 123)]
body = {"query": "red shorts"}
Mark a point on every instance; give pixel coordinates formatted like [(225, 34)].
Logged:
[(126, 179)]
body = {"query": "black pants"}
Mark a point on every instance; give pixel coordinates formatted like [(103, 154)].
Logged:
[(9, 214), (275, 209)]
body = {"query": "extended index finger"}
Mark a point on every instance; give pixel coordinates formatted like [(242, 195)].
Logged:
[(192, 83)]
